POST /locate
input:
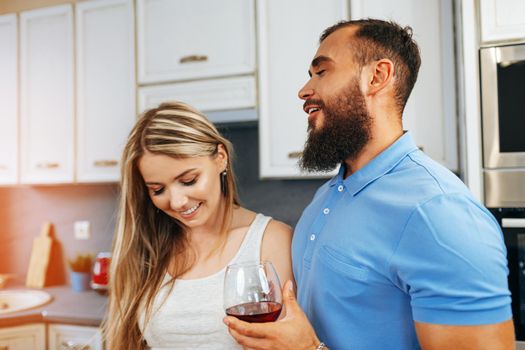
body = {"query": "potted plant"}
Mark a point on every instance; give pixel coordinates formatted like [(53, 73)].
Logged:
[(80, 267)]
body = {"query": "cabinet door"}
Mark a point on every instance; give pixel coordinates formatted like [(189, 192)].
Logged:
[(8, 100), (283, 70), (105, 86), (186, 39), (502, 20), (430, 114), (74, 337), (47, 91), (23, 337)]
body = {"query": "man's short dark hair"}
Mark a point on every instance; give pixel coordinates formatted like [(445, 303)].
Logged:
[(379, 39)]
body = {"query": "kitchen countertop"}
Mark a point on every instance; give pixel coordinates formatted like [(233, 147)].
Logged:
[(66, 306)]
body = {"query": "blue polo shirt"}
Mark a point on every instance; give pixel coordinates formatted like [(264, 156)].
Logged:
[(400, 240)]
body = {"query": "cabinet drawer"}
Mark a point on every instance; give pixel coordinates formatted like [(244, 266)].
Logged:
[(187, 39)]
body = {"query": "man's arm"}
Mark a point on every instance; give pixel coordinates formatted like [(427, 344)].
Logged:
[(498, 336)]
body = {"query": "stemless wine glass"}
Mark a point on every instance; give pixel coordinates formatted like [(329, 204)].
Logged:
[(252, 292)]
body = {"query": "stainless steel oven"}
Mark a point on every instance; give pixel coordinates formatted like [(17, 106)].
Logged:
[(503, 123), (503, 132)]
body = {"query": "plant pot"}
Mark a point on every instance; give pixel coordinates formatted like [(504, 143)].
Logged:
[(80, 281)]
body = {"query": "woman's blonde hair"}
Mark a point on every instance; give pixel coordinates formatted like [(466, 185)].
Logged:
[(147, 240)]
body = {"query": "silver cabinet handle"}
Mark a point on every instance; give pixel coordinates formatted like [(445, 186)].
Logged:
[(295, 154), (193, 58), (70, 345), (105, 163), (48, 165), (513, 222)]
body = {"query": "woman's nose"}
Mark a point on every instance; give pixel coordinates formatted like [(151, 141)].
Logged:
[(178, 200)]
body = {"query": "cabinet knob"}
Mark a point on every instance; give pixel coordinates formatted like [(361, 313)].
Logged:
[(295, 154), (193, 58), (4, 347), (105, 163), (3, 167), (71, 345), (48, 165)]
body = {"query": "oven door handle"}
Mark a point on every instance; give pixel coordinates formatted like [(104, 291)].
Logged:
[(513, 222)]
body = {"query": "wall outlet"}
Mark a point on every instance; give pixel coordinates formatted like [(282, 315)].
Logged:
[(82, 229)]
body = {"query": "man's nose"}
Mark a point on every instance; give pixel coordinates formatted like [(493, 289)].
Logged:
[(306, 92)]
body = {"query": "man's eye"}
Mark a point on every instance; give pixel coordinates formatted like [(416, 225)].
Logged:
[(320, 72)]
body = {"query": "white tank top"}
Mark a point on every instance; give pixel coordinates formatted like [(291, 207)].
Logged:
[(191, 317)]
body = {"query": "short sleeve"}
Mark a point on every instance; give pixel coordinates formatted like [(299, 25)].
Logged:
[(451, 260)]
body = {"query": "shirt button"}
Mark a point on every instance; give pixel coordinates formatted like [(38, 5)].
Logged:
[(326, 211), (312, 237), (340, 188)]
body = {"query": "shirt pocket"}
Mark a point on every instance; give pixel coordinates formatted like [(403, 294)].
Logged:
[(340, 273)]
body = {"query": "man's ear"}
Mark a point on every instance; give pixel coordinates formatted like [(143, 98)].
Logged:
[(380, 75)]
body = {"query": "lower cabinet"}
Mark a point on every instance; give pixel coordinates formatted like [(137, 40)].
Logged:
[(65, 337), (32, 336)]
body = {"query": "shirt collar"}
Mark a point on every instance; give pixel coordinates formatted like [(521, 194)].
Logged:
[(377, 167)]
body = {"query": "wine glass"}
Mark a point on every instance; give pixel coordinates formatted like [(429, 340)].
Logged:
[(252, 292)]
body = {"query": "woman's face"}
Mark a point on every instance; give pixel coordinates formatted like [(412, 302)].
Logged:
[(187, 189)]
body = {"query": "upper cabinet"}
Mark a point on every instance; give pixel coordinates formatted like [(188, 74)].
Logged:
[(189, 39), (430, 114), (502, 20), (105, 67), (8, 100), (288, 37), (47, 93)]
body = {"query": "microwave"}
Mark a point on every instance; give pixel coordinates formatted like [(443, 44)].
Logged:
[(502, 71)]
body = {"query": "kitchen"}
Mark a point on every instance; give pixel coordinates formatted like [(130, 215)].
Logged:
[(451, 133)]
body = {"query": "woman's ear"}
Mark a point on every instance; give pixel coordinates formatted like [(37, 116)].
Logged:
[(222, 157)]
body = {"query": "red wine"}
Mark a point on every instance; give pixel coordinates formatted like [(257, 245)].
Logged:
[(264, 311)]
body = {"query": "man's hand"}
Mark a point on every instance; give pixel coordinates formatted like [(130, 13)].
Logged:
[(293, 331)]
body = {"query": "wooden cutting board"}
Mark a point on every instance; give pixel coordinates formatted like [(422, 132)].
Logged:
[(39, 262)]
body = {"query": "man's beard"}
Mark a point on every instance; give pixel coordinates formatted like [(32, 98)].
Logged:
[(343, 135)]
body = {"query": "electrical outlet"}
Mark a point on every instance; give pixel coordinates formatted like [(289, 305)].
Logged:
[(82, 229)]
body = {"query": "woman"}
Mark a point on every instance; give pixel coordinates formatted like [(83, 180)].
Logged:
[(180, 225)]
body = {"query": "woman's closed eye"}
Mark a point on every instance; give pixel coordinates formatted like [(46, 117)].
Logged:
[(189, 182), (157, 191), (320, 72)]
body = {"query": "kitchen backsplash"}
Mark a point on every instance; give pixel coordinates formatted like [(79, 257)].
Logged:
[(25, 208)]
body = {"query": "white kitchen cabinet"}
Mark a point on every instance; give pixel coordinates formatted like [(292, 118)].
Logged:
[(105, 77), (226, 94), (8, 100), (25, 337), (502, 20), (430, 114), (189, 39), (47, 93), (66, 337), (288, 37)]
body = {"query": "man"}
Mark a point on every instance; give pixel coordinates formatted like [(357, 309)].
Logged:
[(393, 252)]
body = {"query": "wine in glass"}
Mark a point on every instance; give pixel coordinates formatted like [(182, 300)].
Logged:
[(252, 292)]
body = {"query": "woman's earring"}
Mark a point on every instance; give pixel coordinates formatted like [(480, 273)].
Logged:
[(223, 181)]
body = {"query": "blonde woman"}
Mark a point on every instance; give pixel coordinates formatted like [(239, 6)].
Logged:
[(180, 225)]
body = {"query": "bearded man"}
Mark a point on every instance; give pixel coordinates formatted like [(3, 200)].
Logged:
[(393, 252)]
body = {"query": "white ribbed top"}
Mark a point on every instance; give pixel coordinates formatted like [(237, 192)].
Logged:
[(191, 317)]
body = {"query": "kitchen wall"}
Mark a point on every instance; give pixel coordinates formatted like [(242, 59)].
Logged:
[(25, 208)]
